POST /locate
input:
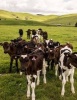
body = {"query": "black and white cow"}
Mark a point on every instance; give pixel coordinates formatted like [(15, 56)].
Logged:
[(67, 64), (51, 52)]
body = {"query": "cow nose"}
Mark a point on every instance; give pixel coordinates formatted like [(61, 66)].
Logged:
[(5, 52)]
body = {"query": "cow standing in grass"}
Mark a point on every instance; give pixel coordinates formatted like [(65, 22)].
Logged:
[(11, 50), (32, 64), (14, 49), (28, 33), (67, 64)]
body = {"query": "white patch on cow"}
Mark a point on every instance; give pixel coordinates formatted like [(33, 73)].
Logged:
[(28, 85), (40, 48), (38, 77), (72, 80), (26, 46), (67, 49), (44, 70), (15, 57), (76, 55), (33, 90), (50, 50), (47, 41), (20, 73), (63, 84), (33, 58), (45, 63), (23, 56), (56, 70), (72, 66), (61, 60), (35, 76), (47, 47)]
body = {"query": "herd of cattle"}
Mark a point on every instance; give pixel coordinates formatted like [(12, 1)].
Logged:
[(38, 56)]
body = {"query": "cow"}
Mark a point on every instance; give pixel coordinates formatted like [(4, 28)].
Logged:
[(33, 32), (11, 50), (32, 64), (67, 64), (28, 33), (14, 49), (58, 50), (20, 33), (40, 31), (45, 35), (51, 52)]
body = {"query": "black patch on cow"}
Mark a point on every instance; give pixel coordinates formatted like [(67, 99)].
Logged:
[(64, 50), (60, 70), (66, 61), (63, 70)]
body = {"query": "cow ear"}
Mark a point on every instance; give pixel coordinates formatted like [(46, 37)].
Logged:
[(1, 44), (33, 57)]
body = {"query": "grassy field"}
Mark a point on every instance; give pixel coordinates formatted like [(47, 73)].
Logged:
[(13, 86)]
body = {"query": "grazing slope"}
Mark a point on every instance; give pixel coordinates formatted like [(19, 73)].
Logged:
[(25, 16), (64, 20)]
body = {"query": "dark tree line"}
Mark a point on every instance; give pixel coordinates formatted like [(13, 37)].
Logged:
[(76, 24)]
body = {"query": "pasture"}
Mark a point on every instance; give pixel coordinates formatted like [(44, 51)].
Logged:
[(13, 86)]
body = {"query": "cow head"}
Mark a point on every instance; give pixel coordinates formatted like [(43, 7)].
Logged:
[(73, 59), (6, 47), (24, 61)]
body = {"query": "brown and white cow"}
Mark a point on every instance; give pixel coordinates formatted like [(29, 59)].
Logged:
[(32, 64)]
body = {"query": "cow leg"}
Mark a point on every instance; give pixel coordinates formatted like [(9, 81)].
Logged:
[(44, 70), (17, 65), (56, 69), (38, 77), (33, 88), (60, 72), (11, 63), (28, 85), (44, 73), (72, 81), (63, 84), (48, 63), (52, 64), (20, 72)]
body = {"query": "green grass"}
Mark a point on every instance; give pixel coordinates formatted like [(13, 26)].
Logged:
[(21, 22), (13, 86)]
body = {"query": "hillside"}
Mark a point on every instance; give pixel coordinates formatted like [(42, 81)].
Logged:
[(25, 16), (64, 20), (18, 18)]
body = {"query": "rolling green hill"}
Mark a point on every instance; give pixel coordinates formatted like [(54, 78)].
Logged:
[(25, 16), (55, 20), (64, 20)]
